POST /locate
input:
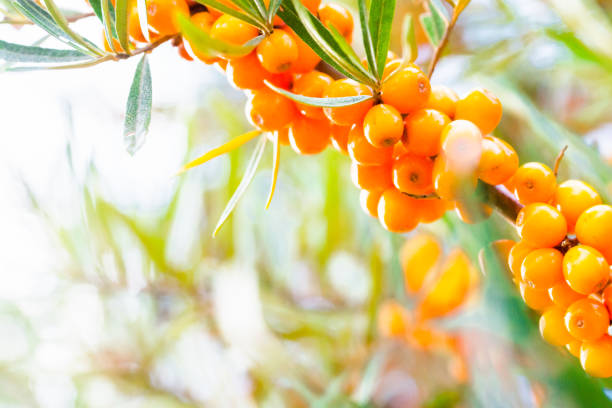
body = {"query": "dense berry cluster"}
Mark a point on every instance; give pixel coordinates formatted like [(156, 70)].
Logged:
[(441, 284), (561, 263)]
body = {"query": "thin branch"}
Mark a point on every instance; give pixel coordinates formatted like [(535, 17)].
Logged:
[(558, 160), (438, 50), (25, 21), (147, 48), (503, 200)]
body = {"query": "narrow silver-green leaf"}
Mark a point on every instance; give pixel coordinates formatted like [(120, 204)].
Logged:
[(109, 23), (201, 40), (380, 21), (273, 9), (368, 43), (121, 22), (217, 5), (344, 45), (410, 49), (24, 53), (439, 19), (97, 8), (248, 176), (138, 110), (321, 102), (62, 23), (431, 32)]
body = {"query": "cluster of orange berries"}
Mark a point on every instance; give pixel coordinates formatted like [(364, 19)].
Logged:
[(440, 285), (562, 263)]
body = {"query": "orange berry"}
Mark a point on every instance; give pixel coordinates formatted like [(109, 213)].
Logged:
[(246, 72), (450, 289), (134, 29), (383, 126), (116, 45), (413, 174), (517, 255), (587, 319), (607, 298), (407, 89), (332, 14), (311, 84), (362, 152), (351, 114), (432, 209), (269, 111), (307, 59), (423, 131), (369, 202), (312, 5), (541, 225), (283, 136), (562, 295), (450, 185), (392, 319), (573, 197), (596, 357), (594, 228), (183, 52), (552, 327), (162, 15), (397, 212), (233, 30), (309, 136), (371, 177), (537, 299), (277, 52), (534, 183), (339, 137), (442, 99), (498, 162), (542, 268), (472, 212), (574, 347), (480, 107), (585, 269), (418, 257), (461, 143), (390, 66), (204, 21)]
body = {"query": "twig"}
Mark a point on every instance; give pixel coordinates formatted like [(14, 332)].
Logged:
[(438, 51), (558, 160), (503, 200), (25, 22)]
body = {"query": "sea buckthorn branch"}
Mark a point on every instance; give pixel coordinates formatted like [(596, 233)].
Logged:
[(502, 199), (558, 160), (457, 9), (71, 19)]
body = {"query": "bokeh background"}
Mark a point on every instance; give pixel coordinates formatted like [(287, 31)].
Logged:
[(114, 294)]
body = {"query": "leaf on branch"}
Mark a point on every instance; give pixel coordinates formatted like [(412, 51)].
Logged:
[(62, 23), (25, 53), (138, 110), (204, 43), (380, 21), (217, 5), (410, 49), (434, 24), (273, 9), (321, 102), (366, 34), (121, 22), (248, 176), (108, 15)]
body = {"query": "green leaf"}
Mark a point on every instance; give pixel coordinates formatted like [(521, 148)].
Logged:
[(138, 110), (121, 22), (430, 29), (201, 40), (97, 9), (410, 49), (108, 15), (344, 46), (368, 42), (321, 102), (273, 9), (25, 53), (579, 49), (440, 22), (249, 173), (217, 5), (380, 21), (62, 23)]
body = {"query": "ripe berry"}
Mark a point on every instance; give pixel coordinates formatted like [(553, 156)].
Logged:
[(162, 15), (269, 111), (449, 184), (562, 295), (423, 131), (362, 152), (390, 67), (392, 319), (134, 29), (498, 162), (517, 255), (418, 257), (607, 297), (312, 5), (585, 269), (232, 30), (369, 202), (371, 177), (277, 52), (413, 174), (383, 126), (594, 228), (351, 114), (442, 99), (432, 209), (542, 268), (397, 212), (339, 137), (461, 143), (311, 84), (534, 183), (338, 16), (182, 51), (283, 136), (587, 319), (472, 212), (307, 59), (552, 327), (541, 225), (407, 89), (596, 357), (574, 347), (116, 45), (480, 107), (536, 299), (573, 197), (309, 136), (246, 72)]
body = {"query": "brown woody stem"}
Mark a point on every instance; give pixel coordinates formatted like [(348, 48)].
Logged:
[(503, 200), (438, 50)]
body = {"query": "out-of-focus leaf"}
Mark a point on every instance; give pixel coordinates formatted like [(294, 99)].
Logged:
[(367, 385), (380, 21), (62, 23), (579, 49), (249, 173), (434, 24), (25, 53), (217, 5), (121, 21), (460, 5), (108, 17), (275, 166), (410, 49), (322, 102), (138, 110), (368, 42)]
